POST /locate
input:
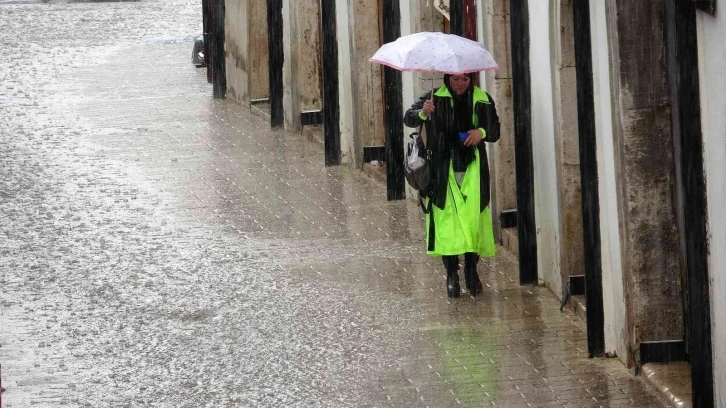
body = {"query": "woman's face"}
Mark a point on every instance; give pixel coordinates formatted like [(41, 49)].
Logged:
[(459, 83)]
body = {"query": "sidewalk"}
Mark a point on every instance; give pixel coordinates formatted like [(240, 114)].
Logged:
[(166, 249)]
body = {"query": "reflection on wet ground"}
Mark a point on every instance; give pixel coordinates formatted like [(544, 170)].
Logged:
[(161, 248)]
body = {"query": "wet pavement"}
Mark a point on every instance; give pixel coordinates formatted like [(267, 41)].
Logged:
[(159, 248)]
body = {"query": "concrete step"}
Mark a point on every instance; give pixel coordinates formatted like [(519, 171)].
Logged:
[(510, 240), (577, 305), (261, 109), (314, 133), (673, 380), (376, 171)]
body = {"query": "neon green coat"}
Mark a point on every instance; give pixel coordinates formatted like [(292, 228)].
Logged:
[(461, 226)]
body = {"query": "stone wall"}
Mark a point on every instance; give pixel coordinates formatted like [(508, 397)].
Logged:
[(547, 216), (644, 149), (499, 85), (567, 141), (308, 56), (302, 73), (368, 104), (236, 40), (259, 75), (614, 304), (246, 50)]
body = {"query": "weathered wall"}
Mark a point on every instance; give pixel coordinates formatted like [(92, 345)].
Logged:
[(236, 40), (345, 78), (259, 73), (496, 38), (647, 178), (712, 58), (543, 146), (246, 52), (302, 75), (290, 99), (567, 140), (610, 246), (369, 103), (308, 61)]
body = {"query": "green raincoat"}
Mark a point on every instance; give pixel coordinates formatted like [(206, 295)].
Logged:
[(461, 226)]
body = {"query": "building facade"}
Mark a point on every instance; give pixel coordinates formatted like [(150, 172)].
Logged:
[(609, 174)]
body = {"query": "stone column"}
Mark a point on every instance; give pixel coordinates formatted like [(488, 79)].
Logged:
[(368, 77)]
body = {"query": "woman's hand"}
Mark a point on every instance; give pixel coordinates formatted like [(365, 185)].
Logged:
[(475, 137), (428, 108)]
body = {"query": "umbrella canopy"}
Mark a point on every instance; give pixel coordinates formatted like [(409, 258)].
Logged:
[(435, 52)]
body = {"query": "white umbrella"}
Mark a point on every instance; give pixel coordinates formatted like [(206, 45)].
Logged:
[(435, 52)]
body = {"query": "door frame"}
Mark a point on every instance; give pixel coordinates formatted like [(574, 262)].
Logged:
[(524, 158)]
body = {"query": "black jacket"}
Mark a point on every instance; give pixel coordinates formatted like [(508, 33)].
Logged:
[(440, 150)]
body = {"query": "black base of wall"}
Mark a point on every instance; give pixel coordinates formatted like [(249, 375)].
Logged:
[(662, 351), (371, 153), (508, 218), (313, 117), (577, 285)]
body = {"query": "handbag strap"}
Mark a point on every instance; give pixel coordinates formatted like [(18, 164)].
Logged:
[(425, 208)]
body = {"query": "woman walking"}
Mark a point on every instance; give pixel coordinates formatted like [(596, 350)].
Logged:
[(458, 117)]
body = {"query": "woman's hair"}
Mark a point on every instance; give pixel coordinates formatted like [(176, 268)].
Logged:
[(447, 78)]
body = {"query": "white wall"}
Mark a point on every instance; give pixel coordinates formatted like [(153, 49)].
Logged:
[(543, 146), (345, 81), (612, 273), (409, 96), (712, 59)]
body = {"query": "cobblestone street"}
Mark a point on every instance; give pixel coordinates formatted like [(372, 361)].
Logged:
[(160, 248)]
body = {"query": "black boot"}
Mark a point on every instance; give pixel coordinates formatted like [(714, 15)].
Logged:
[(471, 276), (451, 263)]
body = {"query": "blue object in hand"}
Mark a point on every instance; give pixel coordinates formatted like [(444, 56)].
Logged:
[(463, 135)]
